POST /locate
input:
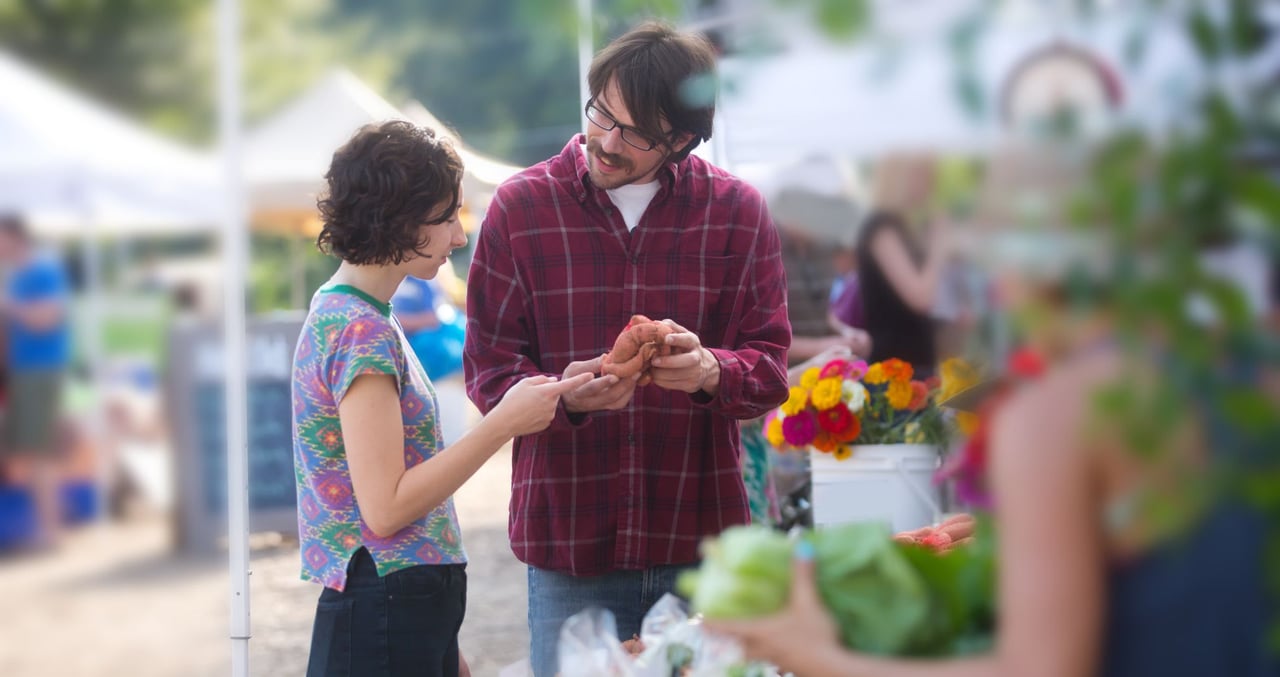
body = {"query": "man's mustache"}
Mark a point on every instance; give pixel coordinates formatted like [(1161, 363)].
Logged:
[(618, 161)]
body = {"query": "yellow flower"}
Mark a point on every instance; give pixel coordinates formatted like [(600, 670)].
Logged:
[(875, 374), (773, 433), (809, 378), (899, 394), (796, 401), (827, 393), (967, 421), (843, 452), (957, 375)]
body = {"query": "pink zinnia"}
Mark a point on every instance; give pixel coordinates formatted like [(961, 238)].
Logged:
[(919, 396), (834, 368), (856, 370), (799, 430)]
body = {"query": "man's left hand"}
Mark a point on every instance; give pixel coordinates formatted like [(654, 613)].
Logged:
[(689, 368)]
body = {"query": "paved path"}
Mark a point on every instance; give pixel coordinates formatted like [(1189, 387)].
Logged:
[(114, 601)]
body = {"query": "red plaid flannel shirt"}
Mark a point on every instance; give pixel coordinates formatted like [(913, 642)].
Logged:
[(555, 277)]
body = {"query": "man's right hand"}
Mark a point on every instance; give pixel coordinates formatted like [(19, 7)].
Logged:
[(603, 393)]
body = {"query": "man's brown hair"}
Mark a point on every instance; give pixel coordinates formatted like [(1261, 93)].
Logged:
[(662, 74)]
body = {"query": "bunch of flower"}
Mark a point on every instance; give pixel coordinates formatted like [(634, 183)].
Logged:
[(844, 403), (967, 468)]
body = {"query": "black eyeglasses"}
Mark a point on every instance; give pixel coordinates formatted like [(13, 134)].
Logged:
[(634, 137)]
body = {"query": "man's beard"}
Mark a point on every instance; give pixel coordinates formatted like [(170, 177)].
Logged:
[(621, 166)]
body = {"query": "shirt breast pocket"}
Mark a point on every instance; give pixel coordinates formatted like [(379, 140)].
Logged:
[(694, 290)]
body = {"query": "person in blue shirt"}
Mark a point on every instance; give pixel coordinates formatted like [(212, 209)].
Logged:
[(33, 309), (431, 324)]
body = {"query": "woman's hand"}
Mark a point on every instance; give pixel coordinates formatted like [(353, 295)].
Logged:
[(953, 531), (802, 637), (529, 405)]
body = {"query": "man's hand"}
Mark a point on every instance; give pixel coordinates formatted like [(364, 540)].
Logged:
[(690, 368), (604, 393)]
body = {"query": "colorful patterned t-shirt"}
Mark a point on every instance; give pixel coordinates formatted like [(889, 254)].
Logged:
[(349, 333)]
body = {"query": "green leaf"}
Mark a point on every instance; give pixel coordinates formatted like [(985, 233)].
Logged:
[(1204, 35), (1260, 193), (843, 19), (1250, 409), (1246, 27), (1228, 301)]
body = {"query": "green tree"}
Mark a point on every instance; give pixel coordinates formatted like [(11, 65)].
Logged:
[(157, 59), (503, 74)]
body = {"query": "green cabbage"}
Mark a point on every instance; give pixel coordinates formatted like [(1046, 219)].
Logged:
[(745, 573), (876, 596), (887, 597)]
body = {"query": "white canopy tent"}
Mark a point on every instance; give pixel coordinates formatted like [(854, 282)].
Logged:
[(898, 91), (288, 154), (75, 168)]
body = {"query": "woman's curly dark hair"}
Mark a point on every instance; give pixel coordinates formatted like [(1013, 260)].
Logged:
[(384, 184)]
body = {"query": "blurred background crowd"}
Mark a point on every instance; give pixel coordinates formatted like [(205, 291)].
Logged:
[(908, 151)]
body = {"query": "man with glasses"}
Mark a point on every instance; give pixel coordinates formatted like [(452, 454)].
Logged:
[(610, 503)]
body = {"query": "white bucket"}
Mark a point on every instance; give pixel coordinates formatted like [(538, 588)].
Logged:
[(889, 483)]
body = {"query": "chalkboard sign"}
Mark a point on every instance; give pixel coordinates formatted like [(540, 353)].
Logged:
[(197, 371), (271, 482)]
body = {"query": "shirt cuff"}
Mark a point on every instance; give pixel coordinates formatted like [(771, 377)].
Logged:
[(730, 382), (566, 420)]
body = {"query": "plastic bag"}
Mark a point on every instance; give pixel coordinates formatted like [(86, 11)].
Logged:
[(674, 644), (589, 646)]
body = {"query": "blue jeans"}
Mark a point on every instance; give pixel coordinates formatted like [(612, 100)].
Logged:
[(404, 623), (554, 597)]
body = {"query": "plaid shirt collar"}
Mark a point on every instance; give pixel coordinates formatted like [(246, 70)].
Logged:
[(575, 152)]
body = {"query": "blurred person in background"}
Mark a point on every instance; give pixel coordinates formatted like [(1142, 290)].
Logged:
[(38, 331), (376, 521), (898, 278), (846, 312), (811, 226), (1113, 559), (431, 324), (610, 503)]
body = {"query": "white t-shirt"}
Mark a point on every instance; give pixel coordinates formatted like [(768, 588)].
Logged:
[(632, 199)]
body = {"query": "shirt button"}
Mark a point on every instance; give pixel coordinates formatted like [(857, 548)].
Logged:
[(631, 439), (635, 260)]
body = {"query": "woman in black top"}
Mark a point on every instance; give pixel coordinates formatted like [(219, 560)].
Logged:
[(899, 284)]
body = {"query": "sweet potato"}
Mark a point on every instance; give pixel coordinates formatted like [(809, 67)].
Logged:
[(640, 341)]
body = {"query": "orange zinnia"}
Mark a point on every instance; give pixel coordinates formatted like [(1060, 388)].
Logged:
[(897, 370), (824, 442)]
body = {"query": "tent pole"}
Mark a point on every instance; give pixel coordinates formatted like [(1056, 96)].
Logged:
[(95, 354), (235, 256), (586, 41), (298, 264)]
